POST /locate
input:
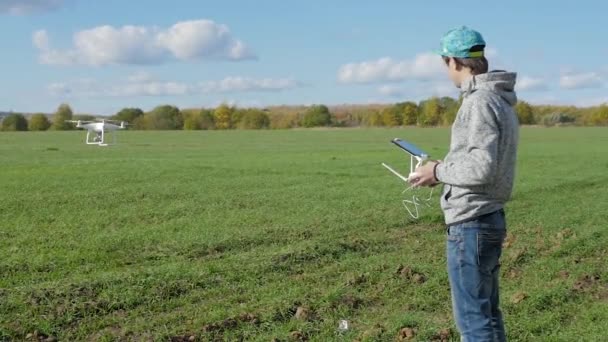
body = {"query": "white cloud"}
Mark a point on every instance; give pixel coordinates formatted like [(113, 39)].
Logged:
[(144, 84), (234, 84), (140, 76), (189, 40), (23, 7), (423, 67), (106, 45), (41, 40), (391, 91), (419, 92), (591, 102), (58, 89), (581, 80), (526, 83), (238, 103), (443, 89)]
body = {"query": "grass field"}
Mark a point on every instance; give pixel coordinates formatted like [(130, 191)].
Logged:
[(255, 235)]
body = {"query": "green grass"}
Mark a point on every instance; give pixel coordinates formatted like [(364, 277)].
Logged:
[(174, 234)]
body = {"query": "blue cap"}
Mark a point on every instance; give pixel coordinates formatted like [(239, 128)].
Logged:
[(459, 41)]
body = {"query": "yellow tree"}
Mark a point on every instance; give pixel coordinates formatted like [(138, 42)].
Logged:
[(223, 117), (391, 116), (525, 114), (430, 113), (600, 116), (410, 113)]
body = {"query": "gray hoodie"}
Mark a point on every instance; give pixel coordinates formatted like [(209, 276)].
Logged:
[(478, 171)]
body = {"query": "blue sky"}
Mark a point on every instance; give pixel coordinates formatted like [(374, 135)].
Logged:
[(101, 56)]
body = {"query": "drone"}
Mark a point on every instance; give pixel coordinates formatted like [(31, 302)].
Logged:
[(417, 158), (97, 130)]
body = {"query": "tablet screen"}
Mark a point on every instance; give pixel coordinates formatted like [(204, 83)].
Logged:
[(409, 148)]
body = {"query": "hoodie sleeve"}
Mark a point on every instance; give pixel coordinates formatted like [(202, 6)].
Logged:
[(477, 165)]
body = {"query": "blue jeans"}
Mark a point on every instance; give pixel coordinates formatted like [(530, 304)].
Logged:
[(473, 253)]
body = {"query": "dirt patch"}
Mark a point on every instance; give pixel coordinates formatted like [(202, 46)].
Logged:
[(565, 234), (40, 336), (298, 336), (183, 338), (518, 256), (304, 313), (406, 334), (208, 251), (443, 335), (603, 294), (374, 334), (284, 315), (356, 280), (586, 283), (410, 275), (509, 240), (350, 301), (231, 323), (296, 261), (114, 333), (227, 324), (518, 297), (514, 273)]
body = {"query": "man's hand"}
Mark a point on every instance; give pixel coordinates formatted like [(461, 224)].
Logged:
[(425, 175)]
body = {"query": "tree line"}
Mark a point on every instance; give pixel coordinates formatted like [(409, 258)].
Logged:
[(428, 113)]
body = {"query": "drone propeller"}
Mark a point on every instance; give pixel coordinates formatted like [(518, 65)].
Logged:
[(77, 121)]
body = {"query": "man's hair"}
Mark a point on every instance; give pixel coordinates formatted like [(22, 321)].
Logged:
[(478, 65)]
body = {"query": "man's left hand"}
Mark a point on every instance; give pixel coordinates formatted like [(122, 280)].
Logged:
[(425, 175)]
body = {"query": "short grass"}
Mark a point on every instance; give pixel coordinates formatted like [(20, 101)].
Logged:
[(262, 235)]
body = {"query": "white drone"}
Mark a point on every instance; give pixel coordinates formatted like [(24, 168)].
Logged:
[(417, 158), (98, 130)]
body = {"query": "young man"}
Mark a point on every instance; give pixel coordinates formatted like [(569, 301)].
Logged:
[(478, 177)]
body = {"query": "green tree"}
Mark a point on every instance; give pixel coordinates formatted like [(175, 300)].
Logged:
[(190, 117), (525, 113), (375, 118), (206, 120), (237, 116), (223, 116), (254, 119), (450, 108), (39, 122), (198, 119), (599, 116), (316, 115), (128, 115), (191, 122), (14, 122), (391, 116), (62, 115), (164, 117), (410, 113), (430, 112), (139, 123), (283, 120), (557, 119)]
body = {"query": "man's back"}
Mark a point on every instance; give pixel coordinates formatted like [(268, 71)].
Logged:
[(479, 170)]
